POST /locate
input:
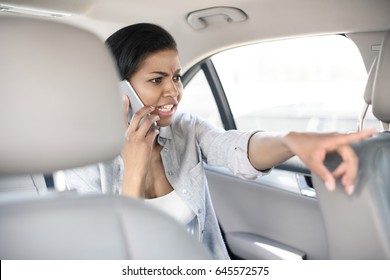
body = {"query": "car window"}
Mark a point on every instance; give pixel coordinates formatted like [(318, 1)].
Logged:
[(198, 100), (305, 84)]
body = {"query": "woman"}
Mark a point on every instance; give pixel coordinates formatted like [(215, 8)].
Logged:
[(165, 166)]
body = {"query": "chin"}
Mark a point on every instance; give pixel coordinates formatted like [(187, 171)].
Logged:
[(165, 122)]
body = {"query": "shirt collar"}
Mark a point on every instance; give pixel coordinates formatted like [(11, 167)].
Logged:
[(165, 133)]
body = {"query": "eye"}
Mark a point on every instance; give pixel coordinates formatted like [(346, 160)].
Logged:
[(156, 80), (177, 78)]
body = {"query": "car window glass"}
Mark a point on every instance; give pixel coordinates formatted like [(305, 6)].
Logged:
[(305, 84), (198, 100)]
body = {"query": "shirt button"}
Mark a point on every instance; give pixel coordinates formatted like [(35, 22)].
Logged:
[(165, 150), (170, 173), (184, 191), (199, 211)]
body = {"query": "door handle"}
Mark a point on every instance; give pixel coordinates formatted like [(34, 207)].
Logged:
[(305, 185)]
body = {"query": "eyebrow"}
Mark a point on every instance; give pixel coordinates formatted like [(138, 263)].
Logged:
[(165, 74)]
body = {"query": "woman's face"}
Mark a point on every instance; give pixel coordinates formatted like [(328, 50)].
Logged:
[(158, 84)]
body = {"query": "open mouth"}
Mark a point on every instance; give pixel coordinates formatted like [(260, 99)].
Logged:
[(165, 108)]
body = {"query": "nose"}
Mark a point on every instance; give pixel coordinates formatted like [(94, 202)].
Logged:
[(172, 89)]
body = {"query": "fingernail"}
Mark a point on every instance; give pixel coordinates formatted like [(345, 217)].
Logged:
[(330, 185), (350, 189)]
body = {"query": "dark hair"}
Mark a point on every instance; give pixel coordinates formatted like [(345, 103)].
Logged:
[(131, 44)]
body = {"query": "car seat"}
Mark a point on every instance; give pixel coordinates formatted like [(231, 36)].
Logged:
[(358, 226), (60, 108), (367, 94), (30, 183)]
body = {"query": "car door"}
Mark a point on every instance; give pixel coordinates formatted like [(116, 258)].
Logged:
[(305, 84)]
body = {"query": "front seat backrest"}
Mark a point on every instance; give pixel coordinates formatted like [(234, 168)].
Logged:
[(91, 227), (60, 107), (358, 226), (57, 96)]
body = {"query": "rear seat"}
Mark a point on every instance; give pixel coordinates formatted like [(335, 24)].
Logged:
[(26, 184)]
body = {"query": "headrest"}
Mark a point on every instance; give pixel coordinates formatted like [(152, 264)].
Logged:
[(370, 82), (60, 105), (381, 88)]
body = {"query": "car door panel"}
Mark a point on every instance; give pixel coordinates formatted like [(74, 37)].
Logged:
[(270, 211)]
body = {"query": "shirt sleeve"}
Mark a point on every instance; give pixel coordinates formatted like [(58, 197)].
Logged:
[(227, 148), (104, 177), (83, 180)]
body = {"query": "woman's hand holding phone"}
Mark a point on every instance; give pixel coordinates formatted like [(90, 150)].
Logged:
[(137, 150)]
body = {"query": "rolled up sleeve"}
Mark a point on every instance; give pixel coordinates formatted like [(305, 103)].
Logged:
[(229, 149)]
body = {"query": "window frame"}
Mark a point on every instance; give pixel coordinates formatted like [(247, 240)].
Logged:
[(216, 88)]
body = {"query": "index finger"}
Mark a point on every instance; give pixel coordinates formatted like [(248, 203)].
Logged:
[(344, 139), (139, 116), (125, 109)]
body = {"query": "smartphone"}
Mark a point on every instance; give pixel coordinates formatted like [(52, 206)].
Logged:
[(135, 101)]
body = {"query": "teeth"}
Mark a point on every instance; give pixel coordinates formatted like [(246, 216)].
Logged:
[(165, 108)]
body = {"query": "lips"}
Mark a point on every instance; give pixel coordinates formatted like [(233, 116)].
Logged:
[(165, 111), (165, 108)]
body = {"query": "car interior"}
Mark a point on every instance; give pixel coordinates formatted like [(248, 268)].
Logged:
[(363, 220), (68, 225), (56, 95)]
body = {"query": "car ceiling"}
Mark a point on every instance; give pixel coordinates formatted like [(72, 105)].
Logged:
[(267, 19)]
